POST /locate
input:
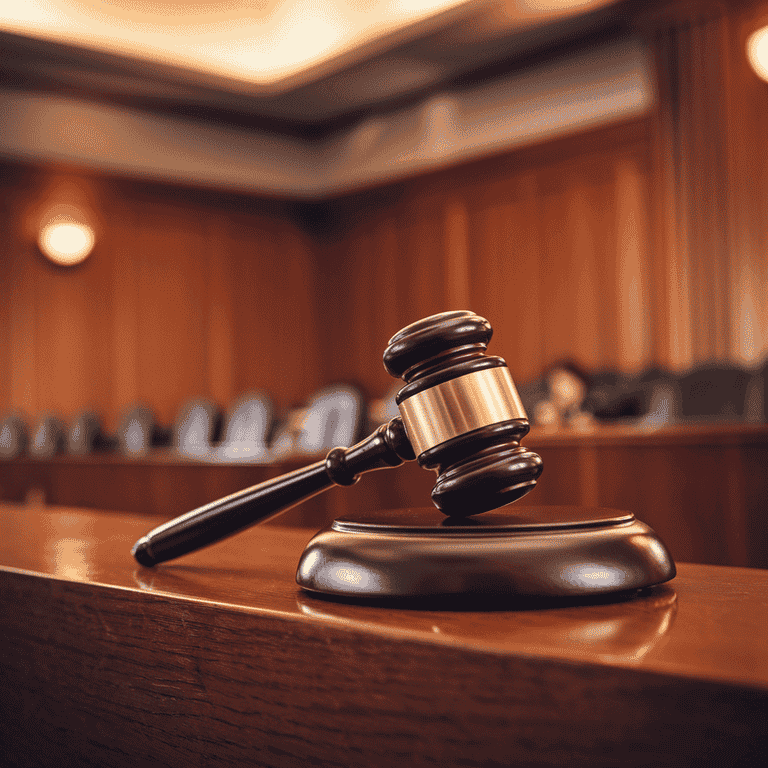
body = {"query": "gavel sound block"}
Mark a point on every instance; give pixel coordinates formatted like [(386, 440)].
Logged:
[(461, 417)]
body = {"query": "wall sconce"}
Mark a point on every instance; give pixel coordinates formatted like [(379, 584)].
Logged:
[(65, 238), (757, 52)]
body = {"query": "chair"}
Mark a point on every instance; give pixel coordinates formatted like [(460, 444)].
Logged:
[(84, 434), (384, 409), (246, 429), (714, 392), (14, 436), (334, 418), (756, 398), (135, 433), (661, 397), (613, 395), (196, 428), (531, 394), (286, 433), (48, 437), (609, 379)]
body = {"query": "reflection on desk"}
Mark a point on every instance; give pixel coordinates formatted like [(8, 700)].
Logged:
[(219, 659)]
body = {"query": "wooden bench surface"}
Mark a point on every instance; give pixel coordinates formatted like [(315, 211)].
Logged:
[(218, 658)]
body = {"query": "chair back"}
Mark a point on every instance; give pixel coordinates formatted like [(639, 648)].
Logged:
[(333, 418), (48, 437), (246, 429), (134, 435), (196, 427), (714, 392), (83, 433), (14, 436)]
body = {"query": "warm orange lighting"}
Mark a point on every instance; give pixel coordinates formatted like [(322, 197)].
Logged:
[(757, 52), (66, 242), (258, 43)]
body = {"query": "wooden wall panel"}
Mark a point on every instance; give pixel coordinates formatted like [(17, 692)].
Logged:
[(635, 245), (710, 183), (537, 241), (506, 228), (125, 308), (173, 307), (641, 243), (748, 191), (186, 294), (72, 357), (6, 311), (274, 316), (391, 268)]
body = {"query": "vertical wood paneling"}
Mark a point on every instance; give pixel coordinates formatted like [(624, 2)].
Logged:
[(275, 322), (711, 168), (72, 367), (24, 390), (456, 267), (748, 202), (124, 291), (388, 276), (633, 316), (536, 241), (185, 295), (220, 322), (172, 309), (506, 270), (6, 361)]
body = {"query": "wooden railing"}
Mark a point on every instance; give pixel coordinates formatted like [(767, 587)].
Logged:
[(703, 488)]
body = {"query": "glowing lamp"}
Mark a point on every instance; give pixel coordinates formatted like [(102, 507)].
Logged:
[(66, 242), (757, 52)]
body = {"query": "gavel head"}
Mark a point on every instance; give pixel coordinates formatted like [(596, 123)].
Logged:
[(462, 413)]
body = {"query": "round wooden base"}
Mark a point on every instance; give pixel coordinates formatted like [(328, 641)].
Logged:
[(558, 552)]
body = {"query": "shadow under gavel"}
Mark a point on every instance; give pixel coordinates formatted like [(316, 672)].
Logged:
[(461, 416)]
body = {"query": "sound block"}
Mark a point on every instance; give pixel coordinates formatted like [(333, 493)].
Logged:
[(526, 552)]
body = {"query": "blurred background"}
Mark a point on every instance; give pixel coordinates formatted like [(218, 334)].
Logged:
[(214, 216)]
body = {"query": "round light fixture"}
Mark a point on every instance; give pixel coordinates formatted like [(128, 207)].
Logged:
[(757, 52), (66, 242)]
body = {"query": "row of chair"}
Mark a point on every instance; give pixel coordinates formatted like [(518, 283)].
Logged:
[(713, 392), (247, 432), (336, 416)]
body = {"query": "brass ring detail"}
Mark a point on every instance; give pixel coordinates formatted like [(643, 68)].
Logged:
[(461, 405)]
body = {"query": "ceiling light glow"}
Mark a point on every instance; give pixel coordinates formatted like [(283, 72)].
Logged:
[(67, 242), (257, 43), (757, 52)]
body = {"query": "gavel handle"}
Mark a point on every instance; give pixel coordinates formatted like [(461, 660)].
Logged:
[(388, 446)]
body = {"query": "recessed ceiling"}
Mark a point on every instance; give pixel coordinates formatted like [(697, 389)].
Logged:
[(268, 46), (259, 43)]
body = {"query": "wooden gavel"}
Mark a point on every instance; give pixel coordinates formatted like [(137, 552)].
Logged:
[(460, 416)]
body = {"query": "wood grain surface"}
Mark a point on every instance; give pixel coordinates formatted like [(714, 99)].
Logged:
[(219, 659), (184, 295)]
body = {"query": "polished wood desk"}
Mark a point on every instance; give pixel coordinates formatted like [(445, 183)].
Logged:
[(218, 659)]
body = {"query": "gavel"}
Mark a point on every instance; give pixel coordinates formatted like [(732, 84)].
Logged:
[(460, 415)]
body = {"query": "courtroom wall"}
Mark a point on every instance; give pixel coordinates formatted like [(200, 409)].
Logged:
[(551, 243), (641, 243), (187, 293)]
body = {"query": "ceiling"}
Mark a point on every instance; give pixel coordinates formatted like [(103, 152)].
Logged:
[(296, 65), (259, 44)]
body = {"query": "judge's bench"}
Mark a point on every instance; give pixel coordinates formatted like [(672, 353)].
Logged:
[(219, 658)]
